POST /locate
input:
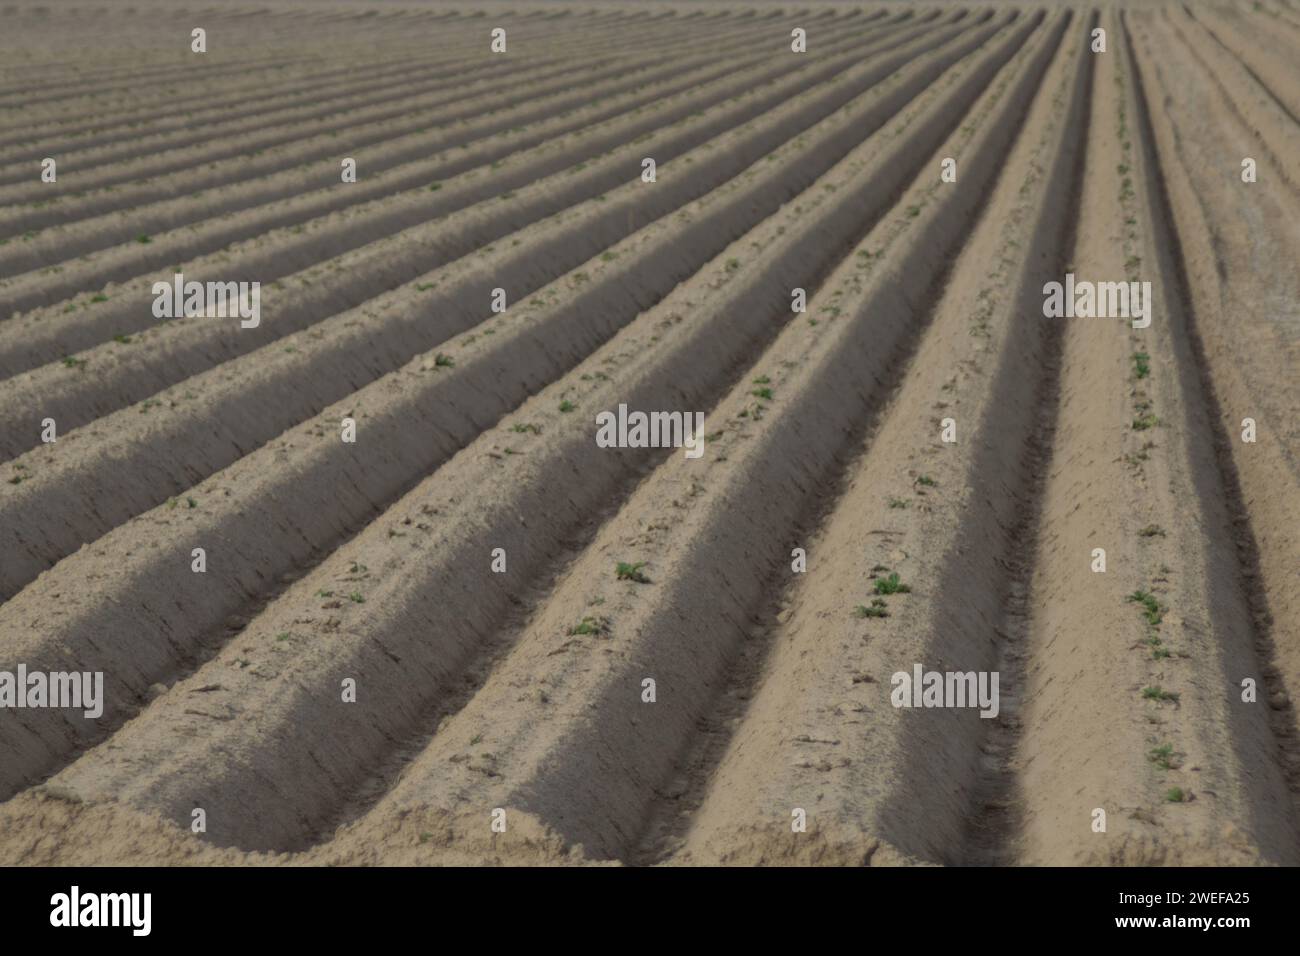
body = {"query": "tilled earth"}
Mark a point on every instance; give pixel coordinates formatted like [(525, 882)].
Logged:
[(419, 647)]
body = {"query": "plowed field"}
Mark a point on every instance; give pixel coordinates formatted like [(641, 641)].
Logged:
[(363, 585)]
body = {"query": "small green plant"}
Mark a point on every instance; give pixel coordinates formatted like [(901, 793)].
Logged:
[(122, 339), (762, 380), (631, 572), (444, 361), (1152, 531), (733, 265), (590, 625), (1164, 757), (567, 406), (1145, 421), (1157, 693), (1150, 606), (70, 362), (434, 187), (1175, 795), (356, 597), (927, 481), (897, 503), (191, 503), (99, 297), (877, 609), (143, 240), (282, 636), (1141, 364), (522, 427), (891, 585), (764, 393)]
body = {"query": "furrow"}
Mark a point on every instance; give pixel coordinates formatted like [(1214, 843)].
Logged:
[(185, 347), (910, 565), (656, 334), (1276, 77), (402, 141), (360, 102), (640, 104), (202, 167), (1243, 488), (1259, 117), (560, 735), (197, 107)]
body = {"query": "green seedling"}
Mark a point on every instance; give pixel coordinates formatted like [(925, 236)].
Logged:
[(443, 361), (1150, 606), (1141, 364), (891, 585), (1157, 693), (567, 406), (1175, 795), (877, 609), (631, 572), (590, 625), (1164, 757)]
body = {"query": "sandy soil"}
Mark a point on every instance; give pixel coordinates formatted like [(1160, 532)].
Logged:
[(476, 636)]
